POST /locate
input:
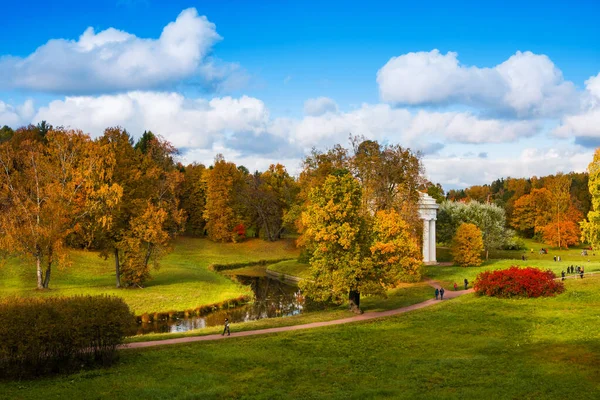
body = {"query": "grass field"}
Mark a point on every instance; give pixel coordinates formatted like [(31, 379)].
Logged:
[(291, 267), (465, 348), (500, 259), (182, 282)]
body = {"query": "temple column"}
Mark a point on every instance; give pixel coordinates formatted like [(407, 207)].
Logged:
[(432, 241), (426, 240)]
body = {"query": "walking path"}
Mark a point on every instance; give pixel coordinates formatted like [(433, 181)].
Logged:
[(363, 317)]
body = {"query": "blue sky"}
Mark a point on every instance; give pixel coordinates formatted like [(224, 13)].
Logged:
[(243, 84)]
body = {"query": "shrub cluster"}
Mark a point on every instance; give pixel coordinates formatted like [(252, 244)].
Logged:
[(198, 311), (40, 336), (518, 282), (225, 267)]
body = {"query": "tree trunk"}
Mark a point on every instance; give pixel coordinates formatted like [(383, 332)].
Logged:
[(487, 254), (354, 298), (148, 254), (38, 265), (47, 277), (117, 269)]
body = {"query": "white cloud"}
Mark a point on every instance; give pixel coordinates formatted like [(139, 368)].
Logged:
[(419, 130), (16, 116), (187, 123), (460, 172), (113, 60), (245, 124), (585, 125), (319, 106), (525, 85), (242, 129)]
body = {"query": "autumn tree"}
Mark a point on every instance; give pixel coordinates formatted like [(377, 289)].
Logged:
[(532, 212), (149, 211), (390, 176), (49, 185), (222, 181), (467, 245), (394, 250), (193, 199), (590, 229), (157, 216), (334, 225), (267, 197), (560, 197), (561, 234)]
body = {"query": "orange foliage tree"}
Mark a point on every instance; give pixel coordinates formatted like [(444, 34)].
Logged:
[(221, 182), (561, 234), (50, 182)]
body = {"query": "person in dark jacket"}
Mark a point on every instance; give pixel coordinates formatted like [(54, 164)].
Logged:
[(466, 284), (442, 293), (437, 293), (226, 328), (563, 275)]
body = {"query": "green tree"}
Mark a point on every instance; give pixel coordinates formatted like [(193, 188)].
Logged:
[(489, 218), (467, 245)]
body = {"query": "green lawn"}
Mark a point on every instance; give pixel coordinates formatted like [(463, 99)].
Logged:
[(500, 259), (465, 348), (182, 282), (291, 267)]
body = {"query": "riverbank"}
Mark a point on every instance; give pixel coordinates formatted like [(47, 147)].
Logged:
[(183, 282)]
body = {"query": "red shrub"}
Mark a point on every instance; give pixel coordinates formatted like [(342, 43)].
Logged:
[(240, 230), (519, 282)]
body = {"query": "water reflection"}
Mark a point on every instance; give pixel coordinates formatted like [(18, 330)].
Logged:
[(273, 298)]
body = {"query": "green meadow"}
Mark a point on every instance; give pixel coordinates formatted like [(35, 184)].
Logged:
[(466, 348), (182, 282)]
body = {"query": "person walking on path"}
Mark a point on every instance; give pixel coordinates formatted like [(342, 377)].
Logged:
[(455, 287), (563, 274), (581, 273), (442, 293), (437, 293), (466, 284), (226, 328)]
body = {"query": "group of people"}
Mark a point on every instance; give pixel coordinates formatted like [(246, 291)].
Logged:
[(573, 270), (556, 258), (440, 292)]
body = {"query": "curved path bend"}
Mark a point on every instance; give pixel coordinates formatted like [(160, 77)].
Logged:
[(449, 294)]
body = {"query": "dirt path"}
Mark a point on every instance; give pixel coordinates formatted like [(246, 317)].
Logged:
[(449, 294)]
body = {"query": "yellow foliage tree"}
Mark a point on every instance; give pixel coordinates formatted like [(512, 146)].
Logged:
[(395, 251), (467, 246)]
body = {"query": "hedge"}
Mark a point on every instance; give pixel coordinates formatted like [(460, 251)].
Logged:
[(40, 336), (224, 267)]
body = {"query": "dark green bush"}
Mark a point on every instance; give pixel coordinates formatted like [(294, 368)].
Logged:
[(225, 267), (60, 334)]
